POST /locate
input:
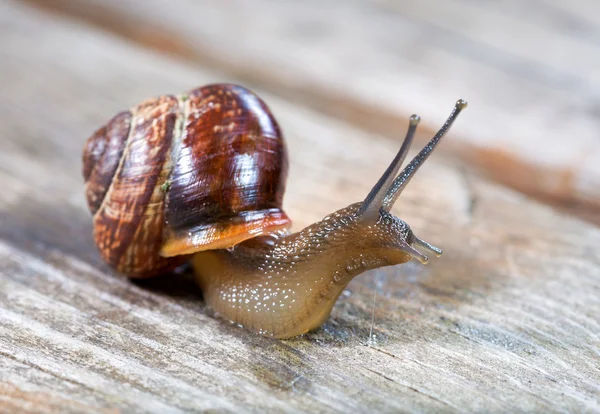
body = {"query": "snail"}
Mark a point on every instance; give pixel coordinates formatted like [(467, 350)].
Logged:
[(200, 177)]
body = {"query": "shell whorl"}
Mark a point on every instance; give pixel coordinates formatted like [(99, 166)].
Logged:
[(200, 171), (101, 157)]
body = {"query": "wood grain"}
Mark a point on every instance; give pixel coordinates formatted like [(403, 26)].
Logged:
[(530, 70), (506, 320)]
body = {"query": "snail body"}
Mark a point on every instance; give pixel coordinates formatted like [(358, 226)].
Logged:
[(202, 176), (286, 286)]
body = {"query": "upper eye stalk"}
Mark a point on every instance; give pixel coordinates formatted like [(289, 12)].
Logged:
[(389, 187)]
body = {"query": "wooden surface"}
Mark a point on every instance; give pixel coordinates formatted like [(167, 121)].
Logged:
[(507, 320)]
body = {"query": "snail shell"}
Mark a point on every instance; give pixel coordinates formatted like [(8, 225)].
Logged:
[(180, 174)]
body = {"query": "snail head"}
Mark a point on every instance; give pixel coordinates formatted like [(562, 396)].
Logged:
[(385, 232)]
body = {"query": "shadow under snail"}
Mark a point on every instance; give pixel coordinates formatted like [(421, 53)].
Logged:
[(189, 177)]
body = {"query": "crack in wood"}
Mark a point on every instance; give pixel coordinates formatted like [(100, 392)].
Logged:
[(445, 403)]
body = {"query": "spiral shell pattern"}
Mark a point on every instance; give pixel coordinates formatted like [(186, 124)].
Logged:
[(180, 174)]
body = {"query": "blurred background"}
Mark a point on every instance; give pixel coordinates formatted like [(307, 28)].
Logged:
[(530, 71)]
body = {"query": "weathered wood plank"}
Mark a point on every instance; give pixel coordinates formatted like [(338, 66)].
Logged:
[(531, 70), (507, 320)]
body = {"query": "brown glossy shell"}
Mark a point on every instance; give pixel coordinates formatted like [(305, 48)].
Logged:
[(177, 175)]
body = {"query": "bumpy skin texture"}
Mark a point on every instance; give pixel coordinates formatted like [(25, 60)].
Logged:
[(286, 285), (175, 175)]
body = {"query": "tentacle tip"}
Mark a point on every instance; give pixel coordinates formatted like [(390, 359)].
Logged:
[(427, 246), (461, 104), (414, 120), (422, 258), (435, 250)]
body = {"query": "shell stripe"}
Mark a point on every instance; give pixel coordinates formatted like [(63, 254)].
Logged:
[(122, 225), (143, 256)]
